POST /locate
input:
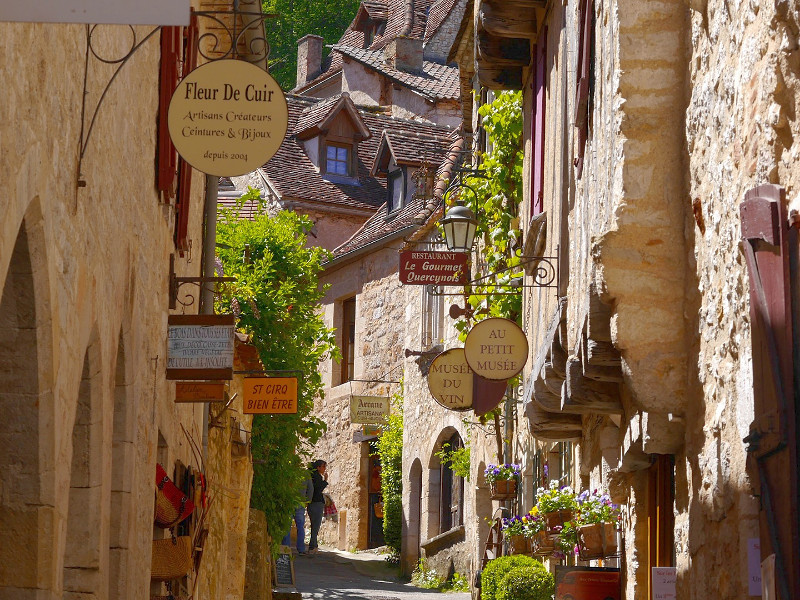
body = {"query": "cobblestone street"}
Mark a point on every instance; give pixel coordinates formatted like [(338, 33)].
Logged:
[(336, 575)]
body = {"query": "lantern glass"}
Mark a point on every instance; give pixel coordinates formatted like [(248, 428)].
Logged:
[(459, 225)]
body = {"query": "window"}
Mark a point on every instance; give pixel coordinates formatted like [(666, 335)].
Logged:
[(584, 70), (338, 160), (395, 184), (348, 339), (432, 318), (452, 495), (660, 507), (565, 463), (539, 104)]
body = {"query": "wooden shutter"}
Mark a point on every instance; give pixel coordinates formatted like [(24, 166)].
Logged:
[(189, 62), (171, 51), (585, 41), (770, 247), (539, 105)]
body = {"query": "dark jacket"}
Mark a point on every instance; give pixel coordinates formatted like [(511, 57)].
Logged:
[(319, 485)]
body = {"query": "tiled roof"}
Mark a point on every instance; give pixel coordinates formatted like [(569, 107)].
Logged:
[(313, 114), (248, 210), (295, 177), (436, 82), (436, 17), (414, 148), (376, 9)]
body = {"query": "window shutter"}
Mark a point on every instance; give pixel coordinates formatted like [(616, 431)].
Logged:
[(189, 56), (585, 19), (539, 106), (171, 50)]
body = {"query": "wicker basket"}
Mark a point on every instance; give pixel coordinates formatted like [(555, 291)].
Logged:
[(171, 559)]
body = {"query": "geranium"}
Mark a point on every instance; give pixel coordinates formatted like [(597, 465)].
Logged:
[(596, 508), (555, 498), (505, 472)]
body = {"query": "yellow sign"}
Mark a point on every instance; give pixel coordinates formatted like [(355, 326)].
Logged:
[(270, 395), (450, 380), (496, 349), (370, 410), (227, 118)]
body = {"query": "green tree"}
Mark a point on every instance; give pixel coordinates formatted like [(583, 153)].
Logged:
[(276, 296), (297, 18), (390, 451)]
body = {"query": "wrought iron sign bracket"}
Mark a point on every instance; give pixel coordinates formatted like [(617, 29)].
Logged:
[(176, 282), (545, 275), (251, 32)]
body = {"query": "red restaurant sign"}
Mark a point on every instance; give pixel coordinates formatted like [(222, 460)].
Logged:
[(433, 268)]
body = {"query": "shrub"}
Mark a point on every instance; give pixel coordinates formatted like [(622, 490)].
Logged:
[(527, 583), (494, 573)]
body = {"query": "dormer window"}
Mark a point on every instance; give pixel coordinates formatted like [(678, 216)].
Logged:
[(395, 189), (338, 159)]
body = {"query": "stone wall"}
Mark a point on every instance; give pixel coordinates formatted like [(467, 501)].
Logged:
[(91, 265)]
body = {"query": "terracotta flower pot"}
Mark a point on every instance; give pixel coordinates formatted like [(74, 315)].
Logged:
[(542, 544), (598, 540), (517, 544), (503, 489), (557, 519)]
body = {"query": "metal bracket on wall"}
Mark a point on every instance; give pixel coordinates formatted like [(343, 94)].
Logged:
[(240, 28), (176, 282), (545, 275)]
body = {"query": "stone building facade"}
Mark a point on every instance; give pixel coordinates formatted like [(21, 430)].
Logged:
[(646, 124), (86, 235)]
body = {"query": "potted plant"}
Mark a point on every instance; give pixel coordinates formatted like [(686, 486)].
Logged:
[(502, 480), (514, 531), (539, 542), (597, 524), (557, 505)]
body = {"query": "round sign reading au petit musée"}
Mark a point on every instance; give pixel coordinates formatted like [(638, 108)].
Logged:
[(496, 349), (450, 380), (227, 118)]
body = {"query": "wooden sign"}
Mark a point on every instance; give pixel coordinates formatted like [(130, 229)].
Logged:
[(433, 268), (200, 347), (496, 349), (283, 568), (199, 391), (450, 380), (270, 395), (370, 410), (587, 583)]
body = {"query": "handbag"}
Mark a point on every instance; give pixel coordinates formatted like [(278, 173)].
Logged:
[(171, 559), (172, 505)]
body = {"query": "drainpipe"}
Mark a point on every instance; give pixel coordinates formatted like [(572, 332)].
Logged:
[(207, 289)]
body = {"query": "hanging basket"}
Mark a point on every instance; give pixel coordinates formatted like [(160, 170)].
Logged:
[(503, 489), (598, 540), (542, 544), (517, 544), (171, 559), (557, 519)]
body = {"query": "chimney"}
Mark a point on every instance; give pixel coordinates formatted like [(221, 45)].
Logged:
[(309, 59), (404, 53)]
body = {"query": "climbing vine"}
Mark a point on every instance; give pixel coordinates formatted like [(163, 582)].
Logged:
[(495, 202), (275, 297), (390, 451)]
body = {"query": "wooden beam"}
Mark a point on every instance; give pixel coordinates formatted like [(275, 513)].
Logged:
[(558, 357), (545, 397), (494, 78), (507, 19), (588, 396), (504, 52), (598, 372), (553, 427)]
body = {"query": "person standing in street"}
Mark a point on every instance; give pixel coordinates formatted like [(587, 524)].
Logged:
[(316, 507), (306, 491)]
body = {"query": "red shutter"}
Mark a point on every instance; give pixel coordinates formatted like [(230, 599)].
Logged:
[(585, 16), (171, 51), (770, 247), (539, 105), (189, 54)]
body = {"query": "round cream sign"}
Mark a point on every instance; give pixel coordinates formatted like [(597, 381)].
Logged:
[(450, 380), (227, 118), (496, 349)]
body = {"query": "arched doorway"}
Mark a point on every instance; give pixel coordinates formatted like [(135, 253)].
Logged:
[(27, 512), (445, 488), (414, 533)]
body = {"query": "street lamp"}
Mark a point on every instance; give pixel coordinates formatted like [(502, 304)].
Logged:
[(459, 224)]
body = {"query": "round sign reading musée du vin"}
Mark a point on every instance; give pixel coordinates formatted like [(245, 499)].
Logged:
[(227, 118), (450, 380), (496, 349)]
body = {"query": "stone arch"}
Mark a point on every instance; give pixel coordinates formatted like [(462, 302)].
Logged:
[(122, 467), (414, 533), (82, 553), (27, 437)]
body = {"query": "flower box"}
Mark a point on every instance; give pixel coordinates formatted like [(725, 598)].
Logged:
[(557, 519), (598, 540), (503, 489), (517, 544), (542, 544)]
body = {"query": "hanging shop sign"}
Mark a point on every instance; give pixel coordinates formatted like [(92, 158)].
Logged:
[(270, 395), (107, 12), (433, 268), (227, 118), (496, 349), (450, 380), (200, 347), (587, 583), (199, 391), (369, 410)]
